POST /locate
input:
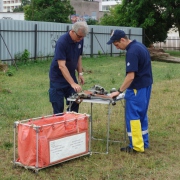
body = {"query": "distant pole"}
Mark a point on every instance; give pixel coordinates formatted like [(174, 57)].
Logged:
[(35, 43), (9, 52), (111, 44), (91, 42)]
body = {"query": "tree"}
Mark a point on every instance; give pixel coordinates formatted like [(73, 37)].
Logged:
[(20, 8), (49, 11), (92, 21), (140, 13), (170, 9)]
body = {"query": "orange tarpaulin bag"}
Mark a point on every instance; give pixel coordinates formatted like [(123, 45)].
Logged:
[(50, 140)]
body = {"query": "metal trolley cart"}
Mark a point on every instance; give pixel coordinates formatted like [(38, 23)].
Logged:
[(46, 141)]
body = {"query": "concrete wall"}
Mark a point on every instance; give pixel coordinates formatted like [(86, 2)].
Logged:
[(11, 15)]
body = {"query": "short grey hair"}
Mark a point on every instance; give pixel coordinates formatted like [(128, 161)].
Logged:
[(82, 26)]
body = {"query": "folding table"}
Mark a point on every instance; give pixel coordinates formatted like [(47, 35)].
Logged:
[(108, 102)]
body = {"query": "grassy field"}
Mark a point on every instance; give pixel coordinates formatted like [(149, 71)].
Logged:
[(24, 94), (173, 53)]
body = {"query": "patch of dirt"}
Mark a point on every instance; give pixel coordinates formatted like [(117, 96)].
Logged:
[(3, 67)]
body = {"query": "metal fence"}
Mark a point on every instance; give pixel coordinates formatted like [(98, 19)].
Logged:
[(171, 43), (39, 38)]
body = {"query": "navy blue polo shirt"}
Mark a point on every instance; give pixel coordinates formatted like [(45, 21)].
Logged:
[(66, 50), (138, 60)]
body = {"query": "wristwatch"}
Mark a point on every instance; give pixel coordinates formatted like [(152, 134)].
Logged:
[(81, 74), (120, 91)]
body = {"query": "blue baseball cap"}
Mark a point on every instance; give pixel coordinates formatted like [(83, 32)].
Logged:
[(116, 35)]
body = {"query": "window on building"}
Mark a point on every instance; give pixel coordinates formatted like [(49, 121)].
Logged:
[(94, 15), (105, 8), (111, 0)]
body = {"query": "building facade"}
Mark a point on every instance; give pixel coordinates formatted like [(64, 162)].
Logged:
[(107, 4), (103, 5), (9, 5), (84, 9), (93, 9)]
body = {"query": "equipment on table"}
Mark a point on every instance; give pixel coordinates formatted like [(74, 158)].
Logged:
[(96, 92)]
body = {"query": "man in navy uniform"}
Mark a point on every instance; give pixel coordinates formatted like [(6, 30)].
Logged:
[(137, 83), (66, 62)]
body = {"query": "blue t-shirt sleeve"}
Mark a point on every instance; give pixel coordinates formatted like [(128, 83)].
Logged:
[(82, 45), (131, 62), (60, 51)]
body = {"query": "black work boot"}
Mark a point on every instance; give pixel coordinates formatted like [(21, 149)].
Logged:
[(128, 149)]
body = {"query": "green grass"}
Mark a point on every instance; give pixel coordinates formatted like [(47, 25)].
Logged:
[(24, 94), (173, 53)]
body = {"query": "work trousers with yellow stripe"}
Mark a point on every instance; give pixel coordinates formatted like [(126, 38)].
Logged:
[(137, 102)]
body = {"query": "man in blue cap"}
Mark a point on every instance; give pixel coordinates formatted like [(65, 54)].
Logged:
[(137, 83)]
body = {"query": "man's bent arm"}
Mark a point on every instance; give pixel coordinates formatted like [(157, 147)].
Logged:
[(79, 70), (67, 76), (79, 65), (127, 81)]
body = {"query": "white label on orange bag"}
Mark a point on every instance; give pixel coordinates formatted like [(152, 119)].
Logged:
[(67, 146)]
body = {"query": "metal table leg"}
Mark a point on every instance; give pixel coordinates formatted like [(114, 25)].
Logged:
[(107, 129)]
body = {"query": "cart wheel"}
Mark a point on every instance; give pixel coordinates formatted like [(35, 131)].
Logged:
[(14, 166), (36, 172), (89, 155)]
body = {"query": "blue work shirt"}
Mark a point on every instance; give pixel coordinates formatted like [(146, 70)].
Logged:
[(66, 50), (138, 60)]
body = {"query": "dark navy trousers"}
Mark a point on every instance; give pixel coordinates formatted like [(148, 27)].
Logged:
[(58, 95)]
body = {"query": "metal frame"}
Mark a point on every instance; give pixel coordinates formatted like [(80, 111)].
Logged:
[(109, 103), (36, 167)]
